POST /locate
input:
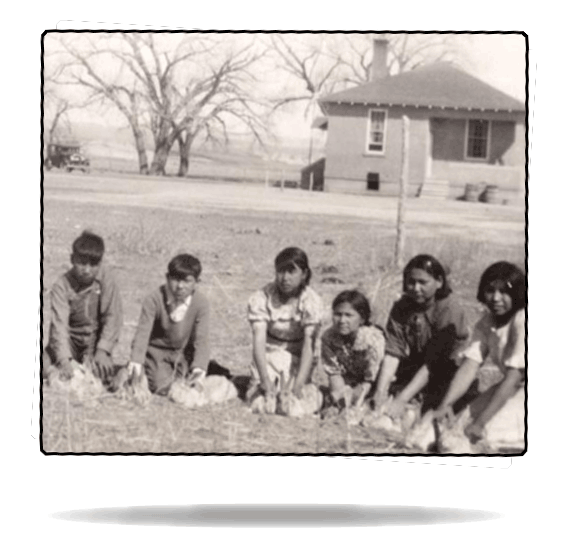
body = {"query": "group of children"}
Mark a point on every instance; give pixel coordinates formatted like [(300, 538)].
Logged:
[(428, 350)]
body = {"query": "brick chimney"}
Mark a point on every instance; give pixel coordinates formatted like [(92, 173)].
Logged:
[(380, 52)]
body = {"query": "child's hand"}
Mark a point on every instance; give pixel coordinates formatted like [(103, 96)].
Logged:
[(474, 432), (134, 370), (103, 365), (396, 409), (297, 391), (270, 403), (195, 379), (66, 371), (379, 400), (444, 415)]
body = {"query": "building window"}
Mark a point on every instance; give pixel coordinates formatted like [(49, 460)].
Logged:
[(376, 134), (477, 139), (373, 183)]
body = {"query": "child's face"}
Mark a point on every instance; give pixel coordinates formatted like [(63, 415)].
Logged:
[(83, 270), (421, 286), (497, 299), (346, 319), (181, 288), (289, 279)]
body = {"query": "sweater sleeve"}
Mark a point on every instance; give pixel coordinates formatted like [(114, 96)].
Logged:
[(450, 336), (144, 329), (111, 314), (201, 345), (396, 342), (59, 337)]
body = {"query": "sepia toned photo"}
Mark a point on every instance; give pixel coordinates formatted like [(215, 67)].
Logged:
[(284, 243)]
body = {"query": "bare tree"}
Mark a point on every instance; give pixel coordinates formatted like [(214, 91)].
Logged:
[(208, 105), (85, 64), (405, 52), (198, 89), (177, 86), (55, 106), (314, 69)]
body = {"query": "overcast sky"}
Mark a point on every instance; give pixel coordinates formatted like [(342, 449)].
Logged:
[(498, 59)]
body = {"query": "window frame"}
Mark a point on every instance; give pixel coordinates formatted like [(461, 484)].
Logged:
[(467, 137), (368, 140)]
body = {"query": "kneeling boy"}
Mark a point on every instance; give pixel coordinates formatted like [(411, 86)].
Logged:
[(86, 313), (172, 338)]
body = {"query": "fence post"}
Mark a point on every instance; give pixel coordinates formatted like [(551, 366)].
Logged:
[(311, 188), (400, 228)]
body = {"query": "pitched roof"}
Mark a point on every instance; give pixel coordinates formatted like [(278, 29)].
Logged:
[(435, 85)]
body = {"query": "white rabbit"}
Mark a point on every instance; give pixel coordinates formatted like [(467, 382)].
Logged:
[(379, 419), (423, 434), (211, 390), (131, 383), (218, 389), (264, 405), (451, 437), (83, 384), (289, 405)]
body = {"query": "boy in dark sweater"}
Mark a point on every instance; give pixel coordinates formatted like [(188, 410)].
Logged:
[(86, 313), (172, 338)]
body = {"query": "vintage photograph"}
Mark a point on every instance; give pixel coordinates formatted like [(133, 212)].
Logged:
[(306, 243)]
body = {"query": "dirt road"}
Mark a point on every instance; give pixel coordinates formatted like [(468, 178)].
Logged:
[(500, 224)]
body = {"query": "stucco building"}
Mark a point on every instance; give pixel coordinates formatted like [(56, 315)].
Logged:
[(462, 131)]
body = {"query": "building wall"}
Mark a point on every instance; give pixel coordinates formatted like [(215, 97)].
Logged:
[(504, 167), (348, 162), (347, 159)]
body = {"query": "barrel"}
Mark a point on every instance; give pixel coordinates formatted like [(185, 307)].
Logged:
[(491, 195), (472, 192)]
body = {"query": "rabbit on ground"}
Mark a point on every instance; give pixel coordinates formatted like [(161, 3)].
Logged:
[(451, 437), (354, 408), (288, 404), (131, 384), (379, 419), (83, 384), (210, 390)]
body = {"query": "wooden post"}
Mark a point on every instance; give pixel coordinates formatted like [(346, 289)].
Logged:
[(400, 230), (311, 188)]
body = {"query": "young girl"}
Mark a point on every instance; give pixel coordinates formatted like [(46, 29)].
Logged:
[(352, 349), (425, 329), (499, 335), (172, 335), (285, 317)]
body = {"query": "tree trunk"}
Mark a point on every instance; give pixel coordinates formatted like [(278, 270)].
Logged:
[(141, 149), (185, 148), (161, 153)]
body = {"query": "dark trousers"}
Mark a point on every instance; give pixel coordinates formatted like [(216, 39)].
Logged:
[(80, 351), (440, 377), (162, 367)]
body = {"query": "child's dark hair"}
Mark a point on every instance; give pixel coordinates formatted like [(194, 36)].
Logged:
[(513, 280), (291, 257), (184, 265), (434, 268), (88, 247), (358, 302)]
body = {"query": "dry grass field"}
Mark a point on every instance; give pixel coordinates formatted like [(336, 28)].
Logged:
[(236, 230)]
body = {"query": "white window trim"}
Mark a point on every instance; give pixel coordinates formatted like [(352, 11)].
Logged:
[(368, 138), (488, 140)]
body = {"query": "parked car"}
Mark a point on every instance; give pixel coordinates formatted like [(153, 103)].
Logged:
[(66, 156)]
